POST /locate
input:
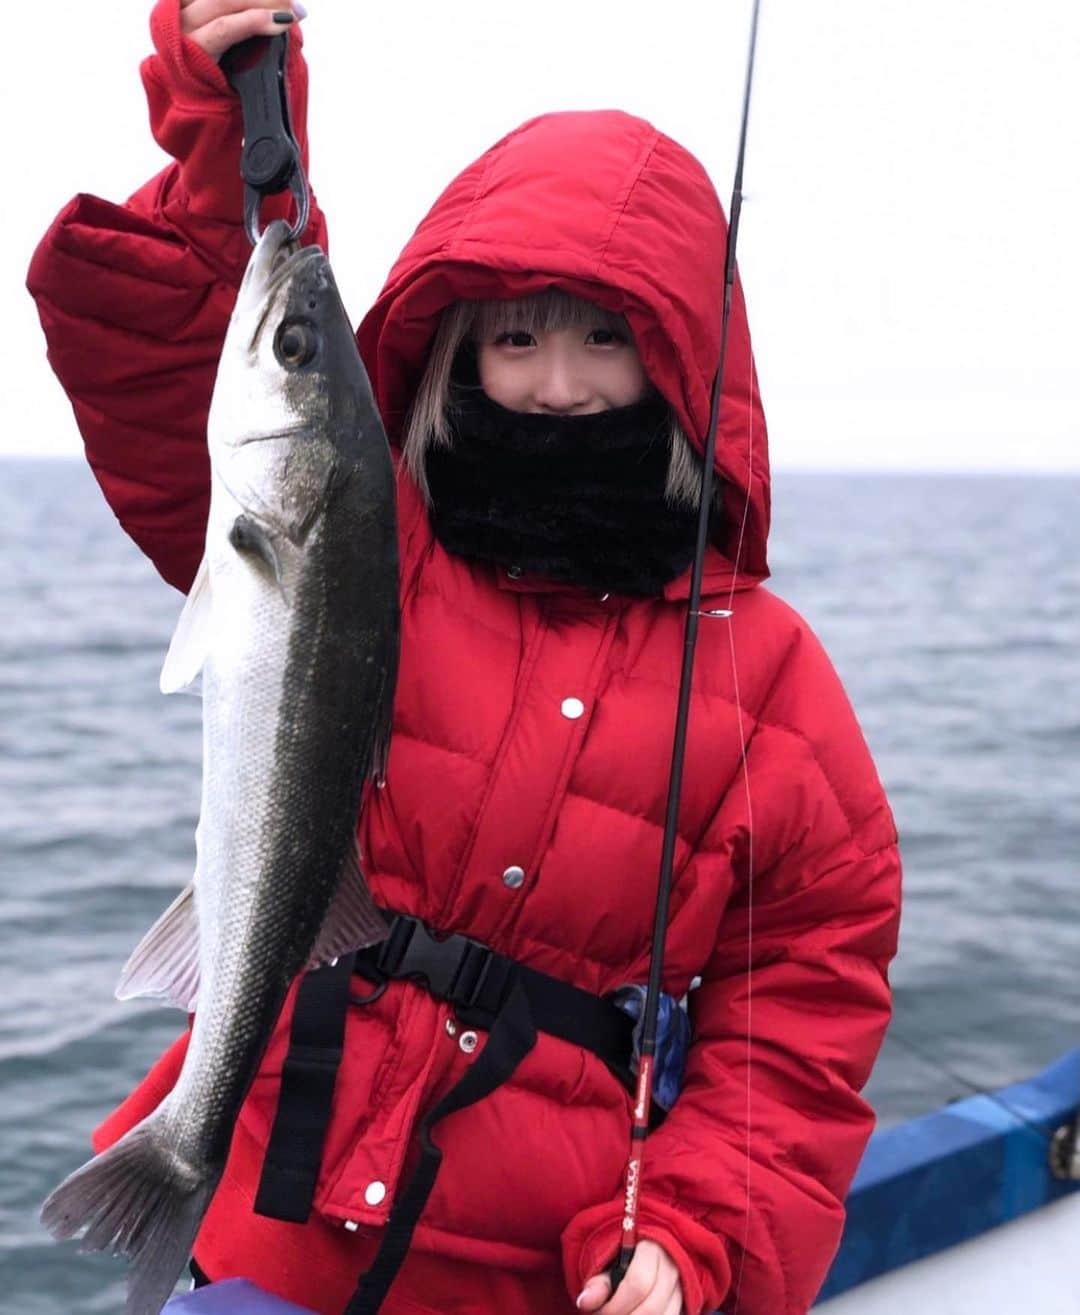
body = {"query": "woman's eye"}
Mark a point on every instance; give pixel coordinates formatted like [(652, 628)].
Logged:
[(604, 338), (516, 338)]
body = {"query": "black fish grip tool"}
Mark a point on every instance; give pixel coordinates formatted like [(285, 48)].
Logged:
[(270, 162)]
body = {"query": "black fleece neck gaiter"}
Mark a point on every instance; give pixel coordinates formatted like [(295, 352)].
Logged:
[(577, 499)]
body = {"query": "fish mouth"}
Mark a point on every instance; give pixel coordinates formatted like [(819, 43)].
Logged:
[(277, 259), (286, 263)]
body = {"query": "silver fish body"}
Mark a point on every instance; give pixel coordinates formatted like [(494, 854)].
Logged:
[(293, 625)]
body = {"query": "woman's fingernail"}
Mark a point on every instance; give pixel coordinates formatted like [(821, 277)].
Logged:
[(581, 1296), (299, 10), (284, 18)]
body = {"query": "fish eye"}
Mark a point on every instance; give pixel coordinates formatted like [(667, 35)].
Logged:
[(295, 344)]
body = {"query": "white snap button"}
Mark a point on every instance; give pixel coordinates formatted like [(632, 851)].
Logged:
[(451, 1027), (514, 878), (351, 1225), (375, 1193), (514, 572), (573, 709), (468, 1042)]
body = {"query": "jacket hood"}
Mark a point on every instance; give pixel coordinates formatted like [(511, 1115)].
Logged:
[(603, 205)]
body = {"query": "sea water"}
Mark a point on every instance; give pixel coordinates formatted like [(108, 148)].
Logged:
[(949, 604)]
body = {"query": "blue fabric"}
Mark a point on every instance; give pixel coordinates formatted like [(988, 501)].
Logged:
[(234, 1296), (672, 1041)]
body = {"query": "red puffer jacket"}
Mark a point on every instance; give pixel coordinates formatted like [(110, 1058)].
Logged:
[(494, 764)]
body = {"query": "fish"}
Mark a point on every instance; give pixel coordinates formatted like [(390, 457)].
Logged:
[(292, 627)]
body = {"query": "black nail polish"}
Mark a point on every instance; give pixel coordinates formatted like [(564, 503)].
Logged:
[(284, 18)]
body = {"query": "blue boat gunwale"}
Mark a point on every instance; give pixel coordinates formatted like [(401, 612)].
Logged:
[(949, 1176)]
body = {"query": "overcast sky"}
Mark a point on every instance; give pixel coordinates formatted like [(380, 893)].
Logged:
[(910, 243)]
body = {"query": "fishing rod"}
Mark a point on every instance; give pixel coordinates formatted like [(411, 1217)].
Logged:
[(643, 1098)]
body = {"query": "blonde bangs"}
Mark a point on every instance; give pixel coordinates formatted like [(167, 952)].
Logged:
[(543, 312)]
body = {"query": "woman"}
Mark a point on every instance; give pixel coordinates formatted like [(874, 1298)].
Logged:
[(562, 298)]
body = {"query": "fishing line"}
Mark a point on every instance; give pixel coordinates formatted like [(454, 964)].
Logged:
[(736, 212), (728, 614), (749, 844), (974, 1087)]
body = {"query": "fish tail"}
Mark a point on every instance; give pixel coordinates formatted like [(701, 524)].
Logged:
[(136, 1200)]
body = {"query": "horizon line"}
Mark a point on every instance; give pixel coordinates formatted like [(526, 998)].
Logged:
[(786, 468)]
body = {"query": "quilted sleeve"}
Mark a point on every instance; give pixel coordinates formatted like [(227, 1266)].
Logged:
[(135, 300), (745, 1181)]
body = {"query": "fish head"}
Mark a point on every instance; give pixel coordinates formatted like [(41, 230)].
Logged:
[(291, 389)]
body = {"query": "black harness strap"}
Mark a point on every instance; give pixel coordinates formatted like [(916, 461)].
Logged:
[(487, 990), (512, 1036), (294, 1154), (476, 980)]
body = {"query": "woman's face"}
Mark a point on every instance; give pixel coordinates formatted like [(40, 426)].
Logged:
[(571, 371)]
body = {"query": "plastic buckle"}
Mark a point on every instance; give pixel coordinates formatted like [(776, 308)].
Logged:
[(411, 951), (454, 968), (391, 952), (479, 1002), (472, 974)]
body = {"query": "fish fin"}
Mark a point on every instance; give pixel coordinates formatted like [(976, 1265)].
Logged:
[(134, 1200), (164, 966), (191, 638), (251, 539), (353, 921)]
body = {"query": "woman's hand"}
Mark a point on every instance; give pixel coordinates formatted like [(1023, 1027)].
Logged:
[(651, 1287), (216, 25)]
